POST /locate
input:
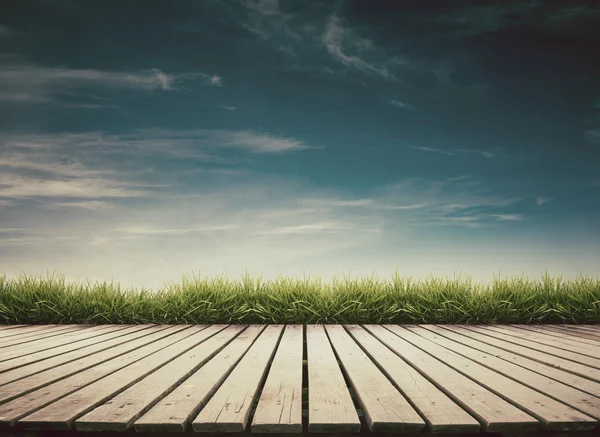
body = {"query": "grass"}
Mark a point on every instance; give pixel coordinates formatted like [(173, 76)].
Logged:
[(287, 300)]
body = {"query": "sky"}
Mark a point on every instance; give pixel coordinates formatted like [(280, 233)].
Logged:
[(145, 140)]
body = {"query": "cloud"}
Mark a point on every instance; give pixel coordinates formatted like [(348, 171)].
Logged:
[(405, 207), (454, 152), (489, 18), (215, 80), (32, 83), (14, 186), (264, 7), (458, 178), (157, 231), (592, 135), (484, 153), (89, 205), (335, 40), (400, 104), (539, 201), (310, 228), (229, 108), (508, 217), (338, 203), (95, 166), (432, 150)]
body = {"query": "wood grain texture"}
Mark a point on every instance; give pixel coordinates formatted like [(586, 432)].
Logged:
[(12, 370), (47, 344), (279, 408), (441, 414), (330, 406), (22, 406), (384, 407), (174, 412), (512, 337), (546, 333), (13, 344), (229, 408), (576, 334), (119, 413), (541, 357), (493, 412), (62, 413), (548, 340), (554, 415), (30, 394), (11, 330), (546, 371)]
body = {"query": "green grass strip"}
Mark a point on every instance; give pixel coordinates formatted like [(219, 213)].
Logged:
[(288, 300)]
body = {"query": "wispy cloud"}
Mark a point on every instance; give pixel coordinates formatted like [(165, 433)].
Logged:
[(458, 178), (96, 166), (405, 207), (400, 104), (88, 205), (14, 186), (508, 217), (333, 203), (592, 135), (229, 108), (309, 228), (432, 150), (336, 38), (539, 201), (157, 231), (31, 83), (455, 152)]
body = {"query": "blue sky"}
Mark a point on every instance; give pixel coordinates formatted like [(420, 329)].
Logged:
[(144, 140)]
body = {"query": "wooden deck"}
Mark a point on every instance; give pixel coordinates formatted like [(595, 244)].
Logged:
[(339, 379)]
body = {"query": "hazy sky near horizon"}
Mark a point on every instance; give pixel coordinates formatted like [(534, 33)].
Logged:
[(144, 140)]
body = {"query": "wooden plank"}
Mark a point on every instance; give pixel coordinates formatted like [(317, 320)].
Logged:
[(586, 328), (575, 331), (551, 360), (3, 327), (512, 338), (574, 334), (25, 329), (279, 408), (384, 407), (23, 386), (229, 408), (554, 415), (19, 340), (26, 366), (493, 412), (547, 340), (330, 406), (575, 381), (10, 330), (114, 402), (33, 330), (558, 336), (60, 346), (177, 409), (49, 343), (441, 414), (12, 411)]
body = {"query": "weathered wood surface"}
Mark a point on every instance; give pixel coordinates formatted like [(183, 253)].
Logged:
[(280, 405), (330, 405), (405, 379)]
